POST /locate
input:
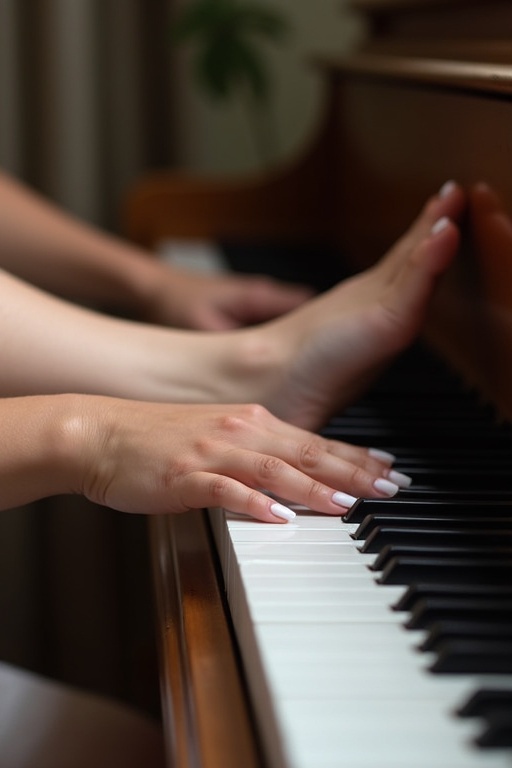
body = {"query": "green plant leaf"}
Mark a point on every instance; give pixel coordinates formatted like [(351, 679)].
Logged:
[(226, 54), (228, 64)]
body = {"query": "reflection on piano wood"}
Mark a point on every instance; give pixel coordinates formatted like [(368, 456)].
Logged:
[(427, 99)]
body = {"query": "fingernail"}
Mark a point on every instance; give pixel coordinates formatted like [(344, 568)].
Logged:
[(279, 510), (343, 499), (403, 481), (447, 188), (385, 486), (382, 455), (440, 225)]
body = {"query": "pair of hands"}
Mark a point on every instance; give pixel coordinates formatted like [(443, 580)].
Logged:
[(229, 455)]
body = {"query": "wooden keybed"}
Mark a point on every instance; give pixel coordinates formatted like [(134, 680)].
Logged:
[(426, 99)]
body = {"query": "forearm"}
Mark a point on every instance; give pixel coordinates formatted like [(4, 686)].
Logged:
[(57, 252), (48, 345)]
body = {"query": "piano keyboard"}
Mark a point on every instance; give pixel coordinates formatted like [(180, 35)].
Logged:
[(385, 639)]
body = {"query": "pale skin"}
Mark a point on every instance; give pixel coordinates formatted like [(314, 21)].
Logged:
[(50, 249), (198, 439)]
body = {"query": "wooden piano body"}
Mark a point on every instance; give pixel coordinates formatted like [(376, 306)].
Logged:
[(427, 99)]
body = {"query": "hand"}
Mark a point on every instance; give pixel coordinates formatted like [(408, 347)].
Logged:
[(219, 302), (321, 357), (156, 458)]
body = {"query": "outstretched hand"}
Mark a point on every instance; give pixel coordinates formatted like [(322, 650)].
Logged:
[(219, 302), (327, 352), (157, 458)]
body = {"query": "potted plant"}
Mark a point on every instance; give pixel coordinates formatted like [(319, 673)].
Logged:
[(227, 40)]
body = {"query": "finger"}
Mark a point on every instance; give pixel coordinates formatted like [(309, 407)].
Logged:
[(331, 461), (205, 489), (305, 485), (309, 452), (409, 295), (449, 203)]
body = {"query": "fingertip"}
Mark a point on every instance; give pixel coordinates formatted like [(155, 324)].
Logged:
[(447, 189), (440, 225), (439, 247), (284, 514), (380, 455)]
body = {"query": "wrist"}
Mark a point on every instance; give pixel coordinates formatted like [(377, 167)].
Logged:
[(42, 453), (254, 364)]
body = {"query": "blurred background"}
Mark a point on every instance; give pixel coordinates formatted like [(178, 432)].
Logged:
[(93, 93), (92, 96)]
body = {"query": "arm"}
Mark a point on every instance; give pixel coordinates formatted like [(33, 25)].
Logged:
[(155, 458), (54, 251), (302, 366)]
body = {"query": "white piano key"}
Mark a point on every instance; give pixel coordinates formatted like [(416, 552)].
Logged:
[(381, 734), (337, 681)]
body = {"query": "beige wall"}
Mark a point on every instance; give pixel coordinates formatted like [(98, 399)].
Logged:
[(217, 138)]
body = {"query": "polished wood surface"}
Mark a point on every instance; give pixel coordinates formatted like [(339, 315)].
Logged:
[(428, 98), (206, 716)]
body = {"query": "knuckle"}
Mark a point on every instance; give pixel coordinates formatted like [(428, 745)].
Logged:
[(253, 500), (269, 467), (359, 478), (316, 490), (218, 487), (255, 412), (309, 455), (230, 423), (239, 419)]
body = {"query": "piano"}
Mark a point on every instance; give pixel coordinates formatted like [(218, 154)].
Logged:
[(384, 639)]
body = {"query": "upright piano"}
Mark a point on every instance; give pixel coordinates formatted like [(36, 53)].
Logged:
[(384, 639)]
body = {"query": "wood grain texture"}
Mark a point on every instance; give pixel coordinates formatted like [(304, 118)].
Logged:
[(207, 721)]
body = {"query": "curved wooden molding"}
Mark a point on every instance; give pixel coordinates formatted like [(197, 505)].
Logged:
[(205, 712), (482, 77)]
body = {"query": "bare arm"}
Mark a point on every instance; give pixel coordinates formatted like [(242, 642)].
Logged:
[(53, 250), (159, 459), (148, 456)]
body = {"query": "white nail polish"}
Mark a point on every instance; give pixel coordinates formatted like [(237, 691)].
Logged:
[(382, 455), (404, 481), (279, 510), (447, 188), (343, 499), (440, 225), (385, 486)]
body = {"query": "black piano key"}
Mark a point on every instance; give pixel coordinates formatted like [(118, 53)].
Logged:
[(416, 592), (427, 434), (473, 657), (407, 570), (457, 629), (486, 700), (452, 495), (497, 732), (469, 507), (454, 459), (496, 479), (432, 609), (433, 521), (470, 553), (382, 536)]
